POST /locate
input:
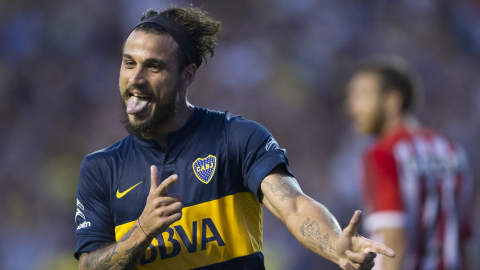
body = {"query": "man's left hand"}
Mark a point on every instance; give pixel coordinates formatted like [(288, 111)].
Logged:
[(355, 251)]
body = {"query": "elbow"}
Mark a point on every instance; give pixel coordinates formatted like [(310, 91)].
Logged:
[(296, 211)]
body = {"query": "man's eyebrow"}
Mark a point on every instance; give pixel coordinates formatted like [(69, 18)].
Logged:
[(148, 60), (155, 61)]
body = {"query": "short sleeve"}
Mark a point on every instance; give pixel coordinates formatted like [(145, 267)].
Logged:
[(256, 150), (93, 217), (382, 194)]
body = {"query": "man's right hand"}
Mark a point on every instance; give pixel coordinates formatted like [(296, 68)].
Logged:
[(161, 210), (159, 213)]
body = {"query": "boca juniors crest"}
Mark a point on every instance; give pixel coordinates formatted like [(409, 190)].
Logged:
[(204, 168)]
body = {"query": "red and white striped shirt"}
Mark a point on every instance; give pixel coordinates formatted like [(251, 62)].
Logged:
[(419, 180)]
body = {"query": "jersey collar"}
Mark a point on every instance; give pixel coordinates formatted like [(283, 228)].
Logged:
[(191, 125), (172, 137)]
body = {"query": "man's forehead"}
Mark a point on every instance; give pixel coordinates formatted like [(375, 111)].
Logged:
[(365, 80), (150, 45)]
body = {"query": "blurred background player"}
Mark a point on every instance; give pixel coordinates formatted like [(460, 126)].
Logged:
[(416, 183)]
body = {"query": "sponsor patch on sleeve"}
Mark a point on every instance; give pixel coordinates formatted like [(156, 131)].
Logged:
[(80, 218)]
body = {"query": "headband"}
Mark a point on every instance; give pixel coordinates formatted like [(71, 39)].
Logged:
[(178, 32)]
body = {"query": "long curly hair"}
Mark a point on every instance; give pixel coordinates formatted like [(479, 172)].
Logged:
[(200, 25)]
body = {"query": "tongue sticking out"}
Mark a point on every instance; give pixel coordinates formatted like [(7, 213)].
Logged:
[(136, 104)]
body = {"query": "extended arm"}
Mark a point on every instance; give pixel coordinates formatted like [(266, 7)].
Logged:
[(161, 210), (315, 227), (309, 221)]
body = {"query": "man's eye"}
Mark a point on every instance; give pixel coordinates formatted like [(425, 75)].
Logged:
[(155, 68), (129, 63)]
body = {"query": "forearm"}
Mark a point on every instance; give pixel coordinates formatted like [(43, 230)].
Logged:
[(395, 239), (314, 227), (309, 221), (122, 255)]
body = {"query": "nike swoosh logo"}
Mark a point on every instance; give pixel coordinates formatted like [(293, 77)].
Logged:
[(120, 195)]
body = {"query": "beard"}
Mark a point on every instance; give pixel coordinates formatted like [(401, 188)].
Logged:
[(376, 122), (164, 111)]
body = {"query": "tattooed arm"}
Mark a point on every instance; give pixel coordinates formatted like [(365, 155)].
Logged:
[(309, 221), (315, 227), (121, 255)]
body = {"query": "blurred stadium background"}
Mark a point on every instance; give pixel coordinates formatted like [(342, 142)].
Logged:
[(279, 62)]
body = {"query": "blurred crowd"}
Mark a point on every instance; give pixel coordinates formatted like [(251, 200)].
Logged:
[(279, 62)]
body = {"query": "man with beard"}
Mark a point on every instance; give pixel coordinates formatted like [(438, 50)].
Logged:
[(417, 187), (185, 189)]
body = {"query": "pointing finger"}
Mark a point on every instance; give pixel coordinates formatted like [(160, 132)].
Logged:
[(154, 178), (351, 229), (381, 249), (166, 184)]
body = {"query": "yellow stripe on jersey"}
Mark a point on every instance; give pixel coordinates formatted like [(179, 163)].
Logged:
[(208, 233)]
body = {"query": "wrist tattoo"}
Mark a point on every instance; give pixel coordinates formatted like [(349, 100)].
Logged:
[(103, 258), (311, 231), (282, 189)]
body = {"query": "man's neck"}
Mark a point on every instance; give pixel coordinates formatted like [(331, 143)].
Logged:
[(406, 120), (175, 123)]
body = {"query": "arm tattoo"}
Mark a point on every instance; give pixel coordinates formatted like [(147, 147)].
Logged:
[(102, 259), (282, 189), (312, 233)]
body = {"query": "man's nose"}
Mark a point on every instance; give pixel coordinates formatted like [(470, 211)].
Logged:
[(138, 76)]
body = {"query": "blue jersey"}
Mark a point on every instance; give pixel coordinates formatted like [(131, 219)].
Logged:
[(220, 160)]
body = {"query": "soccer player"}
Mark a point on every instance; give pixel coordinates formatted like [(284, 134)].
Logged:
[(185, 189), (416, 181)]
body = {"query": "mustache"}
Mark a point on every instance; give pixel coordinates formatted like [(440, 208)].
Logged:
[(145, 90)]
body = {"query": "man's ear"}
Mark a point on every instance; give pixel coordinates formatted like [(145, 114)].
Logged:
[(188, 74)]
